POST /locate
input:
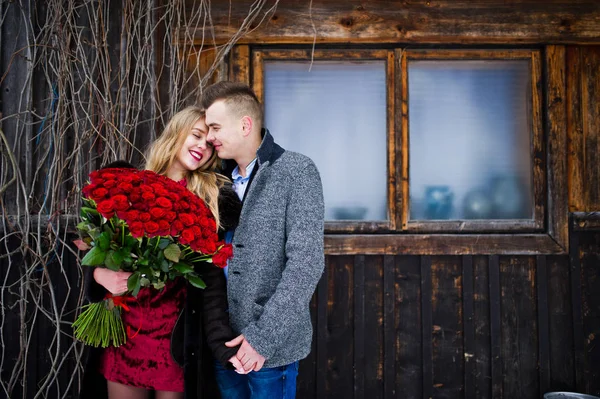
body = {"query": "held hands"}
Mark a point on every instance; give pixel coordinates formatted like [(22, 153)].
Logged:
[(250, 359), (114, 282)]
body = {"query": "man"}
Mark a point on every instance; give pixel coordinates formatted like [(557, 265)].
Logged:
[(278, 246)]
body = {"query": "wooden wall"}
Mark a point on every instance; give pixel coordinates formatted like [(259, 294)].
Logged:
[(457, 326)]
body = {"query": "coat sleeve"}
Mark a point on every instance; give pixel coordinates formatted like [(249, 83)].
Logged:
[(303, 268), (94, 292), (214, 313)]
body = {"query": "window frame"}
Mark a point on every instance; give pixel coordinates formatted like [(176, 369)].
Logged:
[(388, 56), (549, 152)]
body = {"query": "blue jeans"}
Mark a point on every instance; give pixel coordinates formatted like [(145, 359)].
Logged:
[(268, 383)]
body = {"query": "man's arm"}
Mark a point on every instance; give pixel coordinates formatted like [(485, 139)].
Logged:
[(303, 269)]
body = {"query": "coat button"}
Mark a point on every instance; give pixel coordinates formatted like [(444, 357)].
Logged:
[(193, 311)]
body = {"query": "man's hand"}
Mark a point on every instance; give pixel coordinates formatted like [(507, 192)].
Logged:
[(249, 358), (114, 282)]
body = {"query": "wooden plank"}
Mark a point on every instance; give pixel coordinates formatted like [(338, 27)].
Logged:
[(495, 327), (423, 244), (478, 226), (389, 336), (589, 255), (538, 146), (307, 376), (239, 64), (258, 75), (393, 186), (328, 55), (543, 323), (374, 326), (322, 331), (557, 144), (481, 312), (577, 311), (562, 372), (342, 21), (519, 328), (340, 322), (408, 327), (575, 132), (447, 327), (404, 144), (590, 104), (468, 327), (427, 326), (359, 327), (585, 221)]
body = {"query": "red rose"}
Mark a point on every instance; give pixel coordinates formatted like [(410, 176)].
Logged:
[(164, 226), (99, 193), (170, 216), (211, 246), (137, 229), (108, 175), (125, 186), (122, 215), (221, 257), (187, 236), (145, 217), (186, 219), (176, 228), (157, 213), (110, 183), (106, 208), (151, 227), (133, 215), (148, 196), (164, 202)]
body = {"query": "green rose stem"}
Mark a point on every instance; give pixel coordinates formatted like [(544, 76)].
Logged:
[(100, 324)]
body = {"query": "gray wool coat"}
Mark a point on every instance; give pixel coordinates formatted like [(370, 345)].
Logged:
[(278, 255)]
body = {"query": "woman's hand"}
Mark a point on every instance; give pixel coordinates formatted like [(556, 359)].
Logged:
[(114, 282)]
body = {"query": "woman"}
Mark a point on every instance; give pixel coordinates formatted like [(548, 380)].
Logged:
[(180, 327)]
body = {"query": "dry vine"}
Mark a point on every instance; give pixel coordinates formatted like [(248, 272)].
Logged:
[(83, 83)]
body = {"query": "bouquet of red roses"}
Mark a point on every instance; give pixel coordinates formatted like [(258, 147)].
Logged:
[(147, 224)]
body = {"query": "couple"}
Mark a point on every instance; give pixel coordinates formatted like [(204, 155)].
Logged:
[(246, 332)]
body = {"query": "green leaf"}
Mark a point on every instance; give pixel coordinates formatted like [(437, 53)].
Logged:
[(134, 284), (95, 257), (144, 282), (103, 241), (173, 252), (183, 268), (110, 261), (158, 285), (164, 266), (195, 280), (94, 233), (163, 243)]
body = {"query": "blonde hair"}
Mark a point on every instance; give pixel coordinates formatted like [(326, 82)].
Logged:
[(205, 182)]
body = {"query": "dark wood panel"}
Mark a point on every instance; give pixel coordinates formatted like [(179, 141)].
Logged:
[(590, 104), (519, 327), (562, 370), (455, 244), (557, 145), (481, 313), (576, 163), (496, 369), (407, 291), (373, 337), (427, 326), (340, 327), (447, 327), (541, 282), (589, 254), (421, 21)]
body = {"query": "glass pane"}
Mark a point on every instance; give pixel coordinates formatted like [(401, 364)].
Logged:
[(335, 113), (469, 150)]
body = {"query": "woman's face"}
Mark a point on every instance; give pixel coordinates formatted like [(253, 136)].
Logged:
[(196, 151)]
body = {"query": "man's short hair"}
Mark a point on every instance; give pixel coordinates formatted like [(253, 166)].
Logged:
[(241, 99)]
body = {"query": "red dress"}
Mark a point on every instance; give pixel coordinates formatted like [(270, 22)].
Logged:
[(145, 360)]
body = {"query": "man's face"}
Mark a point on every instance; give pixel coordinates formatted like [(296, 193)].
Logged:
[(225, 131)]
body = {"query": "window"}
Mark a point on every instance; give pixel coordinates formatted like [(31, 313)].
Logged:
[(432, 140)]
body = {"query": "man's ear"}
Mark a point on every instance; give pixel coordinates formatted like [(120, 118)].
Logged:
[(247, 124)]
